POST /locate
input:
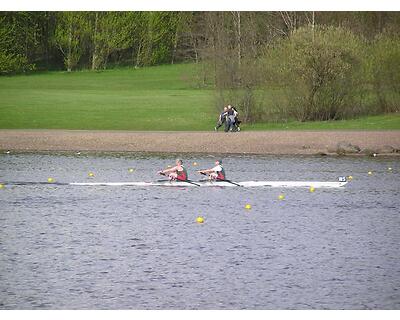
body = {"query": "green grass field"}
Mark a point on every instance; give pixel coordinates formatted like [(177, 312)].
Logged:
[(381, 122), (154, 98)]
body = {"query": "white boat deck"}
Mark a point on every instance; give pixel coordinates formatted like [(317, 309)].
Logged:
[(247, 184)]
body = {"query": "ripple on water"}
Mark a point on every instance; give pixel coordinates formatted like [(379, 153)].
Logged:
[(138, 248)]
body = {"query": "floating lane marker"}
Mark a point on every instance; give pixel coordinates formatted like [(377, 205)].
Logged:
[(281, 197), (50, 180), (350, 177), (200, 220), (390, 169), (312, 189), (1, 186), (369, 173), (195, 163), (91, 174), (247, 206), (131, 170)]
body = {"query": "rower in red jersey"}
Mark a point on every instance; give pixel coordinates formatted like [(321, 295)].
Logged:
[(176, 173)]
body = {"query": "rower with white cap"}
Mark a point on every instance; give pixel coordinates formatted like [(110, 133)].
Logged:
[(215, 173)]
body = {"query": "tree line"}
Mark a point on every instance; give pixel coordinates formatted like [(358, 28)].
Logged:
[(273, 65), (86, 40)]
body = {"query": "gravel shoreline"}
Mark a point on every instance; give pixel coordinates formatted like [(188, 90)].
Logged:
[(251, 142)]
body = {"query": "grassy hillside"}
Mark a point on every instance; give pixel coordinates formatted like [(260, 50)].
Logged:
[(155, 98)]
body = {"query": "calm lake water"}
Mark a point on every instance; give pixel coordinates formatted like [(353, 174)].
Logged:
[(69, 247)]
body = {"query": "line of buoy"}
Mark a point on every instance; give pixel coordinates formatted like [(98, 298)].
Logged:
[(248, 206)]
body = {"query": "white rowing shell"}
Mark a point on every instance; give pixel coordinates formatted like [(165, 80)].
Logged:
[(273, 184)]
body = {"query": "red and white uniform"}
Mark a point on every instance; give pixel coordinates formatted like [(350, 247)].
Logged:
[(218, 173)]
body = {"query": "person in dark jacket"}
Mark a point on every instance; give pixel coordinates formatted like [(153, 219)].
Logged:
[(221, 119)]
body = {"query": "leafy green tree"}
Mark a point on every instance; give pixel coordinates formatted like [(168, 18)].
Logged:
[(14, 63), (70, 35), (384, 63), (111, 32), (17, 41), (318, 72), (159, 37)]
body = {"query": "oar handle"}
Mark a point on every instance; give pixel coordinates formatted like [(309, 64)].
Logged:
[(187, 181)]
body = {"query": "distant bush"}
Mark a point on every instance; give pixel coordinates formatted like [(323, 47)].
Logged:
[(384, 70), (14, 63), (317, 73)]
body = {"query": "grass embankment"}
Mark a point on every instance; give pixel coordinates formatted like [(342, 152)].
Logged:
[(155, 98)]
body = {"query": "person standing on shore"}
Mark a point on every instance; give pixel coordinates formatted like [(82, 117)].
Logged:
[(237, 121), (176, 173), (221, 119), (231, 119)]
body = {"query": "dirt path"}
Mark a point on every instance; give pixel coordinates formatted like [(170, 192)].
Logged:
[(257, 142)]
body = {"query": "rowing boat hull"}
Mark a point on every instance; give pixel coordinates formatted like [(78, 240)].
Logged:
[(247, 184)]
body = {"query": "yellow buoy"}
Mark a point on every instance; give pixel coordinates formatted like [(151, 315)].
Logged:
[(91, 174), (50, 180), (195, 163), (200, 220), (312, 189), (350, 177), (168, 166), (281, 197), (247, 206), (369, 172), (130, 170), (1, 186)]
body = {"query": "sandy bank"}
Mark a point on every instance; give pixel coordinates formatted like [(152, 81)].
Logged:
[(255, 142)]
